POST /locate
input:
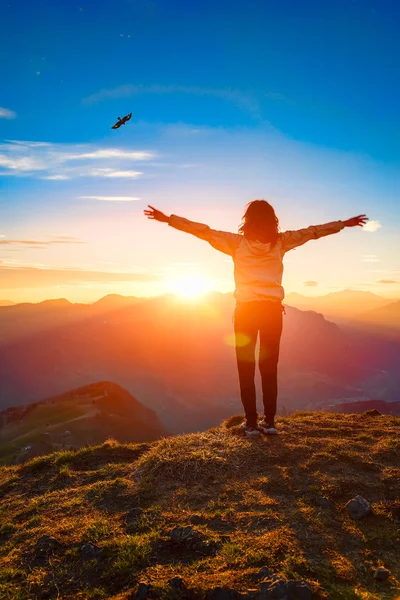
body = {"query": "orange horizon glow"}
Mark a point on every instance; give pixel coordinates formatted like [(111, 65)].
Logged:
[(189, 287)]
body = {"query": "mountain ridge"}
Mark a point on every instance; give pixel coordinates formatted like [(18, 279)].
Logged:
[(179, 359)]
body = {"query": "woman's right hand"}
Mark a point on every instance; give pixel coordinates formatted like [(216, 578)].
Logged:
[(153, 213), (354, 221)]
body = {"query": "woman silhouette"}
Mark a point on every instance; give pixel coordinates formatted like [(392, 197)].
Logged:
[(257, 252)]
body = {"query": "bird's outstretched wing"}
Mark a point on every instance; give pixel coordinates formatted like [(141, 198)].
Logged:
[(121, 121)]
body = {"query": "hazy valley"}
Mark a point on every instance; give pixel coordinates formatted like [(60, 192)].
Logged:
[(177, 358)]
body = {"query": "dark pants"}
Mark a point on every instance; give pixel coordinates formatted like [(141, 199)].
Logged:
[(249, 319)]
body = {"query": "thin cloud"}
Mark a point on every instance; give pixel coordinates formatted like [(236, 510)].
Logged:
[(107, 172), (41, 244), (69, 238), (12, 277), (372, 226), (244, 100), (127, 174), (22, 163), (388, 281), (28, 143), (370, 258), (111, 153), (58, 162), (6, 113), (110, 198), (310, 283)]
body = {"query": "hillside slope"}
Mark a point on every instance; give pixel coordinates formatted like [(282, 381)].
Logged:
[(385, 408), (85, 415), (384, 316), (212, 509), (344, 304)]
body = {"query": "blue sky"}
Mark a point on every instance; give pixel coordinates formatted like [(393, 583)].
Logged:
[(296, 102)]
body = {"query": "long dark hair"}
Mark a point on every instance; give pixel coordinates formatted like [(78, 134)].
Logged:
[(260, 222)]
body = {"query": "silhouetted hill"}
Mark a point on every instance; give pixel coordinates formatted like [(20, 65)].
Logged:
[(345, 304), (385, 408), (178, 357), (115, 301), (6, 303), (186, 515), (385, 316), (87, 415)]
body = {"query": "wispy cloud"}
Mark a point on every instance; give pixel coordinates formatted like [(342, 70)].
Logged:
[(5, 113), (370, 258), (127, 174), (111, 153), (22, 163), (110, 198), (245, 100), (58, 162), (62, 239), (310, 283), (13, 277), (28, 143), (372, 226), (107, 172), (388, 281)]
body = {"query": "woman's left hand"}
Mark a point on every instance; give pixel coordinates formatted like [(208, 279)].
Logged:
[(359, 221)]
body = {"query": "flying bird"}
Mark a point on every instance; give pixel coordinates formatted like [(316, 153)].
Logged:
[(121, 121)]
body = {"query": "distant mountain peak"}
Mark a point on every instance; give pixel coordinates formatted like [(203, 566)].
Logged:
[(56, 302)]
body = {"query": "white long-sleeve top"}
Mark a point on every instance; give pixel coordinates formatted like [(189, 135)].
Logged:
[(258, 267)]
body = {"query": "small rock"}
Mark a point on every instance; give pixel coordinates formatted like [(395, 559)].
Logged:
[(325, 503), (381, 574), (372, 413), (299, 590), (192, 540), (179, 534), (274, 590), (177, 583), (265, 572), (135, 512), (46, 545), (261, 574), (197, 519), (89, 551), (142, 592), (358, 507)]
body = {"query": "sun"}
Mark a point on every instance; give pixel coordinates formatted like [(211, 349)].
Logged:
[(189, 286)]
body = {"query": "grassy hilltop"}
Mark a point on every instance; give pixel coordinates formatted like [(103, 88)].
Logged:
[(86, 415), (119, 515)]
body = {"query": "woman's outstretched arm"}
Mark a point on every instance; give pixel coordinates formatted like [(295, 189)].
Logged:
[(221, 240), (293, 239)]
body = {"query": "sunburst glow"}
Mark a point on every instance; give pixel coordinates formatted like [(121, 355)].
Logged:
[(190, 286)]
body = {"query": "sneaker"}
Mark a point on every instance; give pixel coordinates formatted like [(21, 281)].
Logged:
[(250, 431), (268, 427)]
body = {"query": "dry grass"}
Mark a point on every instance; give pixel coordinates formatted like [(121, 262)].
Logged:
[(252, 503)]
